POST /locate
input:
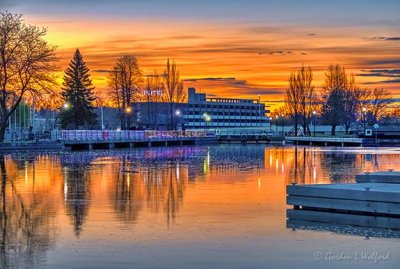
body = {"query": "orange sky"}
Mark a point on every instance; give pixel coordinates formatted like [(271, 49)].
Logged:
[(249, 49)]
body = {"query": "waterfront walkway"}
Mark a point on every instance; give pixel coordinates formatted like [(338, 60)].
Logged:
[(107, 139), (327, 141)]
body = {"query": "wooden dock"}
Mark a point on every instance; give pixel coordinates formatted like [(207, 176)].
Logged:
[(376, 199)]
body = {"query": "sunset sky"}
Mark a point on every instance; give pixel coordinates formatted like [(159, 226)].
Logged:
[(227, 48)]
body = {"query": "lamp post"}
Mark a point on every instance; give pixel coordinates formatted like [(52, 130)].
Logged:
[(102, 118), (259, 111), (276, 123), (314, 119), (364, 110), (283, 125), (177, 114), (128, 112), (270, 126)]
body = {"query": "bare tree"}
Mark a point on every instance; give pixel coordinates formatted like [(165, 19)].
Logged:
[(378, 103), (333, 96), (173, 87), (308, 98), (292, 100), (26, 64), (353, 98), (300, 98), (125, 80)]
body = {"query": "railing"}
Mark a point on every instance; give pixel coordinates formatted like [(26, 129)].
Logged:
[(108, 135), (243, 131)]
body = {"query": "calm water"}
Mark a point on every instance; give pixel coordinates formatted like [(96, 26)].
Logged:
[(182, 207)]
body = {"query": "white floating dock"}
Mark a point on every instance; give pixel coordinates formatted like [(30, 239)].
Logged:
[(359, 198), (392, 177), (359, 225)]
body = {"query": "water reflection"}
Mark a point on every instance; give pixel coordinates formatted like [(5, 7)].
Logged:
[(136, 188), (356, 225), (27, 215), (77, 194)]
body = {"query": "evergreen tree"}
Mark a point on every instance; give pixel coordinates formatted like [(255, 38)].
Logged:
[(78, 95)]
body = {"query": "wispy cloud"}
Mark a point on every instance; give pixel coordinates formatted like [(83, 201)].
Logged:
[(392, 75), (384, 38), (232, 86)]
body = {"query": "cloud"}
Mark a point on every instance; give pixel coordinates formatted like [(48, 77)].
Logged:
[(390, 73), (102, 71), (384, 38), (230, 80), (383, 61), (385, 73), (231, 86), (390, 81)]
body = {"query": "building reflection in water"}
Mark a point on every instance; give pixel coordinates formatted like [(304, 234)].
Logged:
[(144, 184)]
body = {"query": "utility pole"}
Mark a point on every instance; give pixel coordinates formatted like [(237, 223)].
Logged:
[(259, 110), (364, 110), (314, 119)]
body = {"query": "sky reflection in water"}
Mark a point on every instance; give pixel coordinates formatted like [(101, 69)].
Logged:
[(179, 207)]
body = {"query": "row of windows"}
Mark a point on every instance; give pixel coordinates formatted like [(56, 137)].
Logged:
[(227, 114), (227, 106), (228, 120)]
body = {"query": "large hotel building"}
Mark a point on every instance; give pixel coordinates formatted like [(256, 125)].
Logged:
[(201, 112)]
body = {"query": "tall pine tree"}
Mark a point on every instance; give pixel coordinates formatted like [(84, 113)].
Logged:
[(78, 95)]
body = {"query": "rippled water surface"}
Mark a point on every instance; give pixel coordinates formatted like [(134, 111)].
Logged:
[(183, 207)]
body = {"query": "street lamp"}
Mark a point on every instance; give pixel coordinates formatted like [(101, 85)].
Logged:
[(276, 123), (364, 110), (177, 114), (259, 110), (66, 105), (270, 126), (128, 112), (283, 125), (314, 119)]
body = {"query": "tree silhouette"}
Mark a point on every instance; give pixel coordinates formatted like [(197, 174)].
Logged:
[(78, 94), (174, 89), (125, 81), (300, 97), (26, 65)]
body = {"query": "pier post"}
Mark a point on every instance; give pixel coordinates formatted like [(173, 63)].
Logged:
[(90, 146), (166, 143), (149, 144), (111, 146), (132, 145)]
